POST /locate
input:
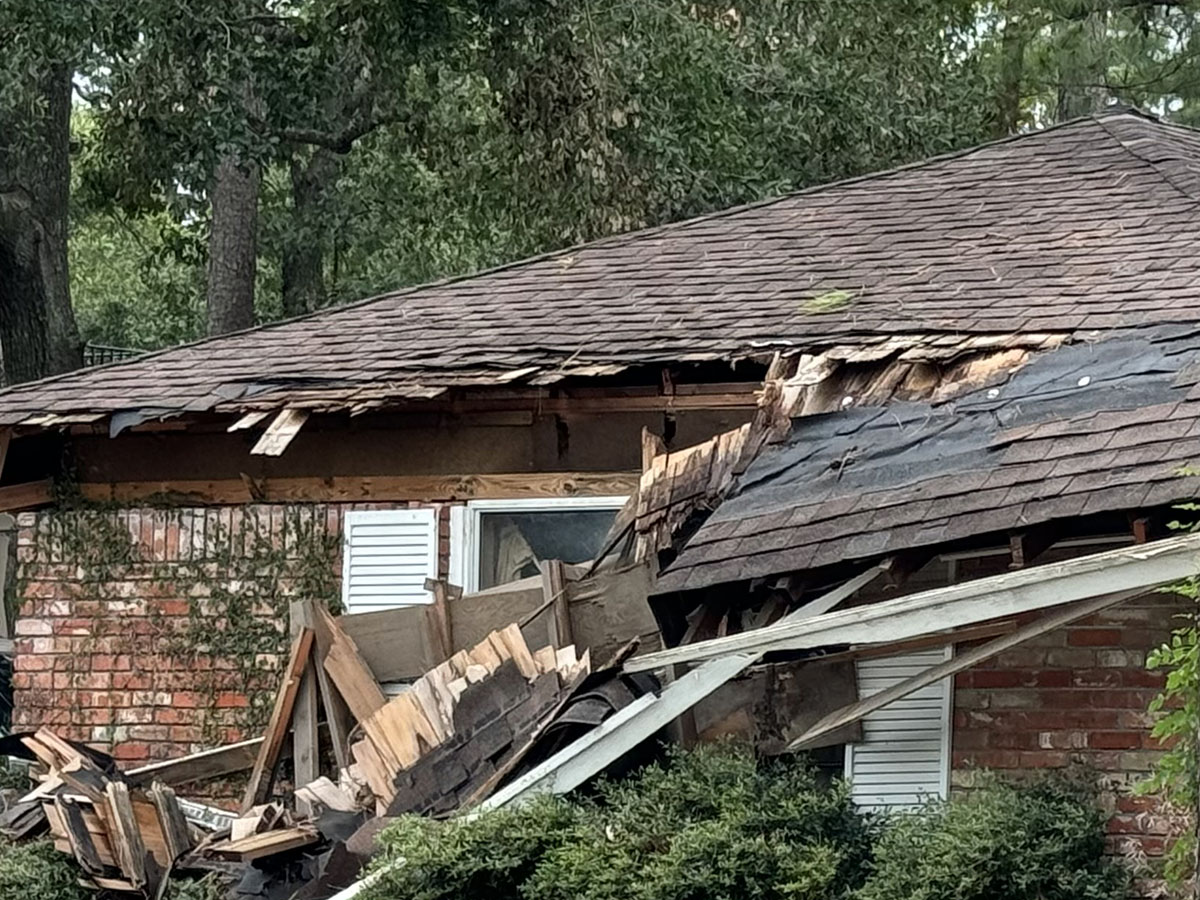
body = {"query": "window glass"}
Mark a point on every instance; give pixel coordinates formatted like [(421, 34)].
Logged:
[(511, 544)]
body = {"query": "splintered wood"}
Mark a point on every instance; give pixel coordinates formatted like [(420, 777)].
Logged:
[(435, 746), (124, 838), (443, 744)]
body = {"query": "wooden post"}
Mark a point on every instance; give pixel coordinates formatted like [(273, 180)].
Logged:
[(554, 590), (437, 621), (305, 742), (1029, 544), (281, 716), (337, 714)]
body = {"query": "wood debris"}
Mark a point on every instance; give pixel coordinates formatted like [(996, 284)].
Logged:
[(446, 742), (125, 838)]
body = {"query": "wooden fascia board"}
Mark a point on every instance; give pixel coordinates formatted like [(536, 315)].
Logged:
[(15, 497), (354, 489), (1135, 568)]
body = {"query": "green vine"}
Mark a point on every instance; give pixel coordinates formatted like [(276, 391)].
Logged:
[(1176, 776), (237, 581)]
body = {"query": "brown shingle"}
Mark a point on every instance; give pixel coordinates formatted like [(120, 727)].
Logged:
[(1087, 226), (926, 475)]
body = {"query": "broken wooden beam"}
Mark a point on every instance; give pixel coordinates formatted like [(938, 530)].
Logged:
[(1024, 590), (198, 766), (1046, 623), (277, 729), (283, 428)]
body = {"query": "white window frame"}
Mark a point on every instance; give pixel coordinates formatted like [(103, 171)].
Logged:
[(464, 528), (387, 516)]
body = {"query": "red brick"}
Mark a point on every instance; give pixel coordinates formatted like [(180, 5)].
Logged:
[(131, 751), (169, 715), (996, 678), (1055, 678), (1094, 637), (1044, 759), (230, 699), (174, 607), (138, 680), (1115, 740)]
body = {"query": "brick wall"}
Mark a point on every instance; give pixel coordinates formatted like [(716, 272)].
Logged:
[(98, 645), (1077, 695)]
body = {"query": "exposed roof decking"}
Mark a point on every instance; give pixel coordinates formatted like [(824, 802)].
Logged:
[(1083, 429)]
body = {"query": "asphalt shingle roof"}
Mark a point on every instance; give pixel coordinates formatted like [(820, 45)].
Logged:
[(1087, 428), (1089, 226)]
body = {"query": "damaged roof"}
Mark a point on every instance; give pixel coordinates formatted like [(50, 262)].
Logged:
[(1085, 428), (1084, 227)]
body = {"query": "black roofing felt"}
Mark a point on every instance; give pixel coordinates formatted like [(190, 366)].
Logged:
[(1087, 428)]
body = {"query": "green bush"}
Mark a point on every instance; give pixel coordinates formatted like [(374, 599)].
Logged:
[(710, 823), (36, 871), (714, 824), (1042, 841)]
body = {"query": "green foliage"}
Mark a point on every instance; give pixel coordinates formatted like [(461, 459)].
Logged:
[(599, 118), (36, 871), (209, 887), (710, 823), (830, 301), (714, 823), (1044, 841), (526, 126), (1175, 777)]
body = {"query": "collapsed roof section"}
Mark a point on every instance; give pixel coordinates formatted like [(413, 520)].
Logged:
[(1083, 429), (1082, 228)]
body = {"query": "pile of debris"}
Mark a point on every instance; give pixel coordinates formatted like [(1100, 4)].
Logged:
[(444, 743)]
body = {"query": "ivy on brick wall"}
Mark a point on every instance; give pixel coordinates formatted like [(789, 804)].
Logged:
[(215, 586)]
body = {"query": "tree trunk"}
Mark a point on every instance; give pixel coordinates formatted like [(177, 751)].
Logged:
[(38, 334), (1012, 73), (23, 328), (1083, 64), (304, 245), (232, 245)]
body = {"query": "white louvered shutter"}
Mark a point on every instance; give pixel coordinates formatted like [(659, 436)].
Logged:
[(903, 759), (386, 557)]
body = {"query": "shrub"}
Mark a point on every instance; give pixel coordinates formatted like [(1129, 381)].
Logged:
[(710, 823), (36, 871), (1042, 841)]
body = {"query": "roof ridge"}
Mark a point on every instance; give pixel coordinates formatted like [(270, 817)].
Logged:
[(1166, 176), (615, 240)]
